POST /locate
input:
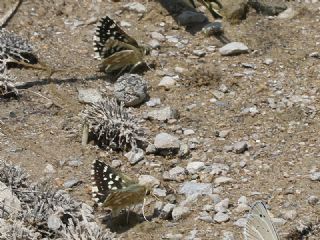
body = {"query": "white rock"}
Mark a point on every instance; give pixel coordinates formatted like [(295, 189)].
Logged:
[(233, 48), (148, 180), (194, 167), (179, 213)]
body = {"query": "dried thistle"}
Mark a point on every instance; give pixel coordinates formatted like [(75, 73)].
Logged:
[(7, 86), (112, 126)]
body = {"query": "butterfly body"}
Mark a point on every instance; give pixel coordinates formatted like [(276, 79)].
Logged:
[(113, 190), (115, 48), (259, 225)]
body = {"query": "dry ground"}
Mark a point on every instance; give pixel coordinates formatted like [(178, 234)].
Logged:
[(283, 140)]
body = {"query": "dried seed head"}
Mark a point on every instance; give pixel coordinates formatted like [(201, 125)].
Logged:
[(112, 126)]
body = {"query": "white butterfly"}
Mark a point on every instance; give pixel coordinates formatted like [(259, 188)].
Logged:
[(259, 225)]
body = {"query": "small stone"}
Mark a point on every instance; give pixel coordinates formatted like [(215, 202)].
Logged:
[(219, 168), (49, 169), (179, 213), (72, 183), (157, 36), (221, 217), (159, 192), (163, 114), (223, 180), (89, 95), (233, 48), (153, 102), (135, 155), (179, 70), (227, 235), (222, 206), (289, 214), (166, 144), (151, 149), (241, 222), (9, 201), (315, 176), (176, 172), (74, 162), (268, 61), (167, 82), (241, 208), (206, 217), (148, 180), (125, 24), (240, 147), (194, 167), (243, 200), (188, 132), (217, 94), (223, 88), (190, 188), (313, 200), (167, 210), (287, 14), (154, 44), (314, 55), (131, 89), (135, 7), (199, 53)]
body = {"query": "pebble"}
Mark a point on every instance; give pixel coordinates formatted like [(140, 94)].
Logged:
[(166, 144), (157, 36), (89, 95), (163, 114), (179, 213), (194, 167), (313, 200), (289, 214), (153, 102), (226, 235), (199, 53), (223, 180), (221, 217), (135, 155), (167, 82), (222, 206), (160, 192), (72, 183), (315, 176), (217, 94), (287, 14), (116, 163), (314, 55), (190, 188), (176, 173), (268, 61), (135, 7), (241, 222), (54, 222), (167, 210), (206, 217), (233, 48), (219, 168), (154, 44), (148, 180), (49, 169), (131, 89), (240, 147)]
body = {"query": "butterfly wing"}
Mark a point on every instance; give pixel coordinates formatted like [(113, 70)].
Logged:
[(259, 225), (107, 31), (104, 181)]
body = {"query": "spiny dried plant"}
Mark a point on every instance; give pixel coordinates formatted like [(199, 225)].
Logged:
[(40, 202), (112, 126), (7, 86)]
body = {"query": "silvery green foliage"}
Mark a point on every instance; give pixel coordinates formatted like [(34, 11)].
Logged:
[(40, 203), (112, 126)]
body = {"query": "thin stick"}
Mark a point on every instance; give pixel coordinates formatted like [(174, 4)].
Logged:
[(4, 20)]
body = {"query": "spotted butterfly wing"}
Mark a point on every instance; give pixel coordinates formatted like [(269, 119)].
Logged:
[(108, 33), (259, 225), (111, 190)]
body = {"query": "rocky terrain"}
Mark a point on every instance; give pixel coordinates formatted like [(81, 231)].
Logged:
[(226, 125)]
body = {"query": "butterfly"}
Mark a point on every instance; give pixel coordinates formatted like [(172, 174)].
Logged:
[(259, 225), (113, 190), (115, 48)]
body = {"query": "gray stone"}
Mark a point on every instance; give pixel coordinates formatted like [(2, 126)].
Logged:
[(160, 192), (214, 28), (167, 210), (153, 102), (199, 53), (176, 173), (135, 155), (89, 95), (116, 163), (268, 61), (148, 180), (131, 89), (167, 82), (163, 114), (315, 176), (166, 144), (157, 36), (135, 7), (190, 188), (76, 162), (314, 55), (219, 168), (313, 200), (206, 217), (179, 213), (223, 180), (287, 14), (49, 169), (10, 202), (72, 183), (289, 214), (233, 48), (240, 147), (151, 149), (267, 7), (241, 208), (243, 200), (188, 132), (184, 150), (194, 167), (222, 206), (221, 217), (154, 44), (188, 18), (217, 94), (241, 222)]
